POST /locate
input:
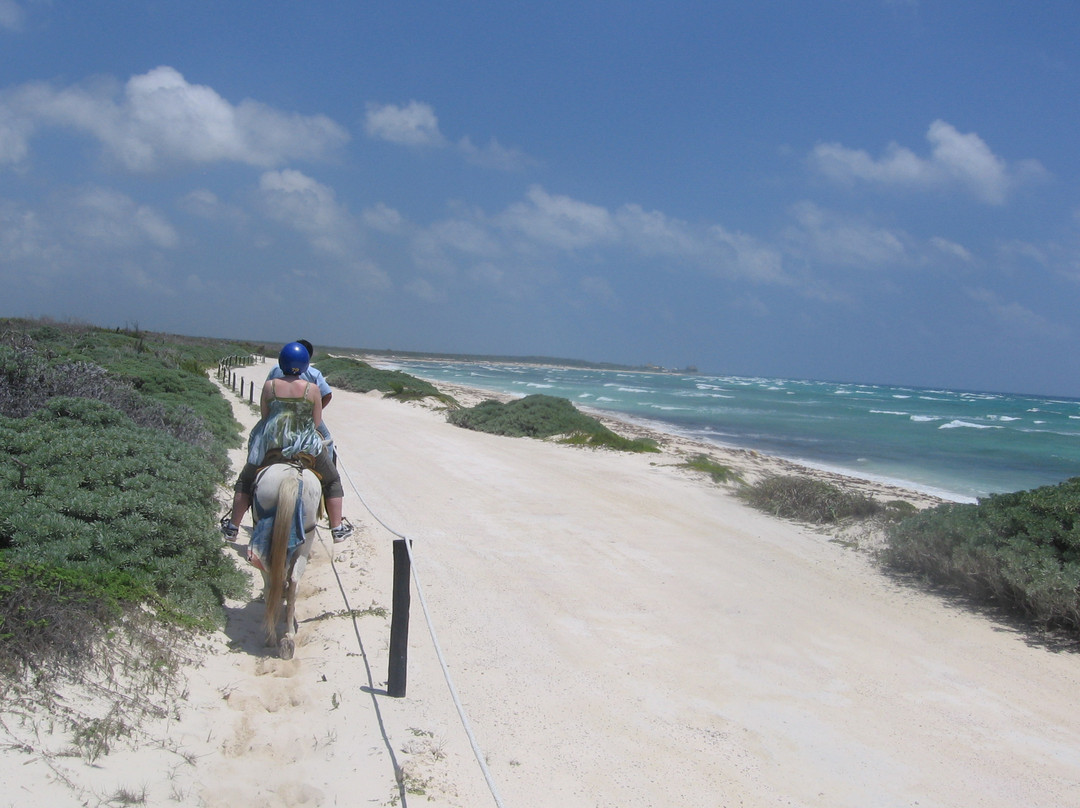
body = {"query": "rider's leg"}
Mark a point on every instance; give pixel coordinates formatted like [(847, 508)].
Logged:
[(241, 502), (333, 495), (333, 511), (340, 528)]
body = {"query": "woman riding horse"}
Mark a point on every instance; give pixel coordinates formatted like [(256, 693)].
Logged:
[(291, 411)]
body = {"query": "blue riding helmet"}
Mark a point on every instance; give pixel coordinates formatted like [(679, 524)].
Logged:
[(293, 359)]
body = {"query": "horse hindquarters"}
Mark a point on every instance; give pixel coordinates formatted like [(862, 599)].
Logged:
[(280, 492)]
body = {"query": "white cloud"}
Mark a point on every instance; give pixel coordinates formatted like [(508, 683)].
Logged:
[(367, 274), (600, 290), (206, 205), (108, 219), (465, 236), (414, 124), (956, 160), (654, 233), (559, 221), (11, 15), (89, 232), (714, 248), (159, 119), (1017, 316), (382, 218), (309, 207), (494, 155), (15, 132), (744, 256), (424, 290), (952, 249), (487, 273), (24, 237), (823, 235)]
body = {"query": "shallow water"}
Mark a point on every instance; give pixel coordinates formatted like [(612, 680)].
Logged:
[(958, 444)]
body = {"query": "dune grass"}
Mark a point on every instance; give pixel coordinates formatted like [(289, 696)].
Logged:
[(112, 445), (1020, 550), (542, 416), (358, 376), (718, 472)]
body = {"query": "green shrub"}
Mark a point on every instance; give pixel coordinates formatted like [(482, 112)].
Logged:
[(184, 403), (1021, 549), (54, 615), (541, 416), (717, 471), (84, 487), (360, 377), (111, 447), (806, 499)]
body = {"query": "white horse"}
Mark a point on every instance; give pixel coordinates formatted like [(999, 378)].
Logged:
[(286, 506)]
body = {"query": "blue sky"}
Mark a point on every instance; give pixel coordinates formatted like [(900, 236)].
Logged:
[(860, 191)]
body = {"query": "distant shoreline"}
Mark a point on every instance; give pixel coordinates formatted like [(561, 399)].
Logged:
[(751, 464), (533, 361)]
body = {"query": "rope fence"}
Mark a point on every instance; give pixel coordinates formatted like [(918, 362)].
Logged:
[(406, 543), (404, 568)]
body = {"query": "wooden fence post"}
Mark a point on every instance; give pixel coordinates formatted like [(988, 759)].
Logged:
[(399, 622)]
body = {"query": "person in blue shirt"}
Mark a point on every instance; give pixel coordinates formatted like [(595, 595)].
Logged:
[(313, 375)]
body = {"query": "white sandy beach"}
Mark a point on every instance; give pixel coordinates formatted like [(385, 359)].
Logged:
[(621, 633)]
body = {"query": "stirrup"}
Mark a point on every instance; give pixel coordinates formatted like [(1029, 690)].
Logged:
[(342, 531), (228, 529)]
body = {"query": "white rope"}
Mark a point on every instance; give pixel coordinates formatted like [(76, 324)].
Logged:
[(434, 641), (477, 752)]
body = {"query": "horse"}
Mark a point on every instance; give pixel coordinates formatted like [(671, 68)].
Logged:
[(286, 506)]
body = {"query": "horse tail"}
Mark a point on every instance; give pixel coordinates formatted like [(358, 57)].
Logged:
[(288, 493)]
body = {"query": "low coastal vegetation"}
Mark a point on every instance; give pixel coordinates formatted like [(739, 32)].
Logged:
[(804, 499), (358, 376), (718, 472), (542, 416), (113, 446), (1020, 549)]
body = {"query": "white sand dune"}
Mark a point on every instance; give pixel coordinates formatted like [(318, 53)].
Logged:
[(620, 632)]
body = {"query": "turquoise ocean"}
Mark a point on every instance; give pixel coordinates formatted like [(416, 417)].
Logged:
[(957, 444)]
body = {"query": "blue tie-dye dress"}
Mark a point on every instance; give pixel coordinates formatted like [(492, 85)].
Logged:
[(289, 426)]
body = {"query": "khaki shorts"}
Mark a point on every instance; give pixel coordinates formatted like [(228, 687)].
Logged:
[(323, 466)]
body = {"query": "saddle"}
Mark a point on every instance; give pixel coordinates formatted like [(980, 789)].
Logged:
[(301, 460)]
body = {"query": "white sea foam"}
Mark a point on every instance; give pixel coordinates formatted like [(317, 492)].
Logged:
[(753, 419), (540, 386)]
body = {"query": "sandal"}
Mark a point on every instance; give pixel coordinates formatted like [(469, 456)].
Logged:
[(228, 529)]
